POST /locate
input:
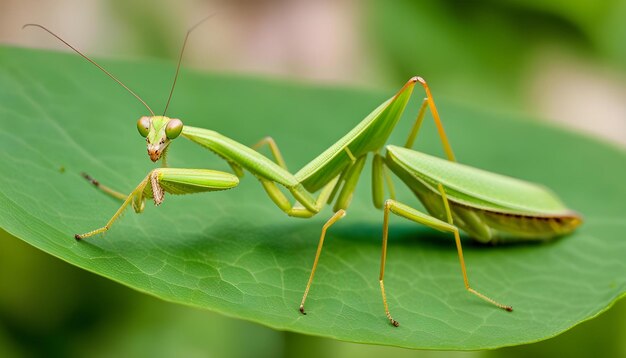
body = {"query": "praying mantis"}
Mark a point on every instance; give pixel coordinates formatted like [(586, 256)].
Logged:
[(487, 206)]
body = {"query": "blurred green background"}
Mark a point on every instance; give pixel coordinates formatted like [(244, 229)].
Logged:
[(560, 60)]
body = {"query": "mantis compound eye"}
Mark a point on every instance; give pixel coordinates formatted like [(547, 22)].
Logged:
[(143, 126), (173, 128)]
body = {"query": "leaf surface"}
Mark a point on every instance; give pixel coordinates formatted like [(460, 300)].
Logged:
[(234, 252)]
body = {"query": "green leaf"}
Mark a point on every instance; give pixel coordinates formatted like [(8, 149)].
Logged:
[(234, 252)]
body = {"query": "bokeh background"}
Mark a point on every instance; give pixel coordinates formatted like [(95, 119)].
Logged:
[(561, 61)]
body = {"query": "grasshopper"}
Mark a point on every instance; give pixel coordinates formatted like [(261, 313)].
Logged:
[(488, 207)]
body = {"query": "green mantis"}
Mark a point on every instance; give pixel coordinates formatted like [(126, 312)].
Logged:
[(487, 206)]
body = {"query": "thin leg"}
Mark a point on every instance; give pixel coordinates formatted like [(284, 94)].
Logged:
[(421, 218), (459, 249), (416, 126), (341, 179), (237, 170), (336, 217), (173, 181), (350, 155), (389, 182), (104, 188), (278, 157), (383, 260), (298, 210), (442, 133), (351, 180), (138, 190), (378, 176)]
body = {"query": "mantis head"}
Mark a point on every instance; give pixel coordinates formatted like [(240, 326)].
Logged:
[(159, 131)]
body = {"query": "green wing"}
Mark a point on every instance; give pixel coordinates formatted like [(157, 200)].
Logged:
[(475, 187), (368, 136)]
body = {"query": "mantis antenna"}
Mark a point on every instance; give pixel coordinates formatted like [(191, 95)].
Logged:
[(92, 62), (180, 58)]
